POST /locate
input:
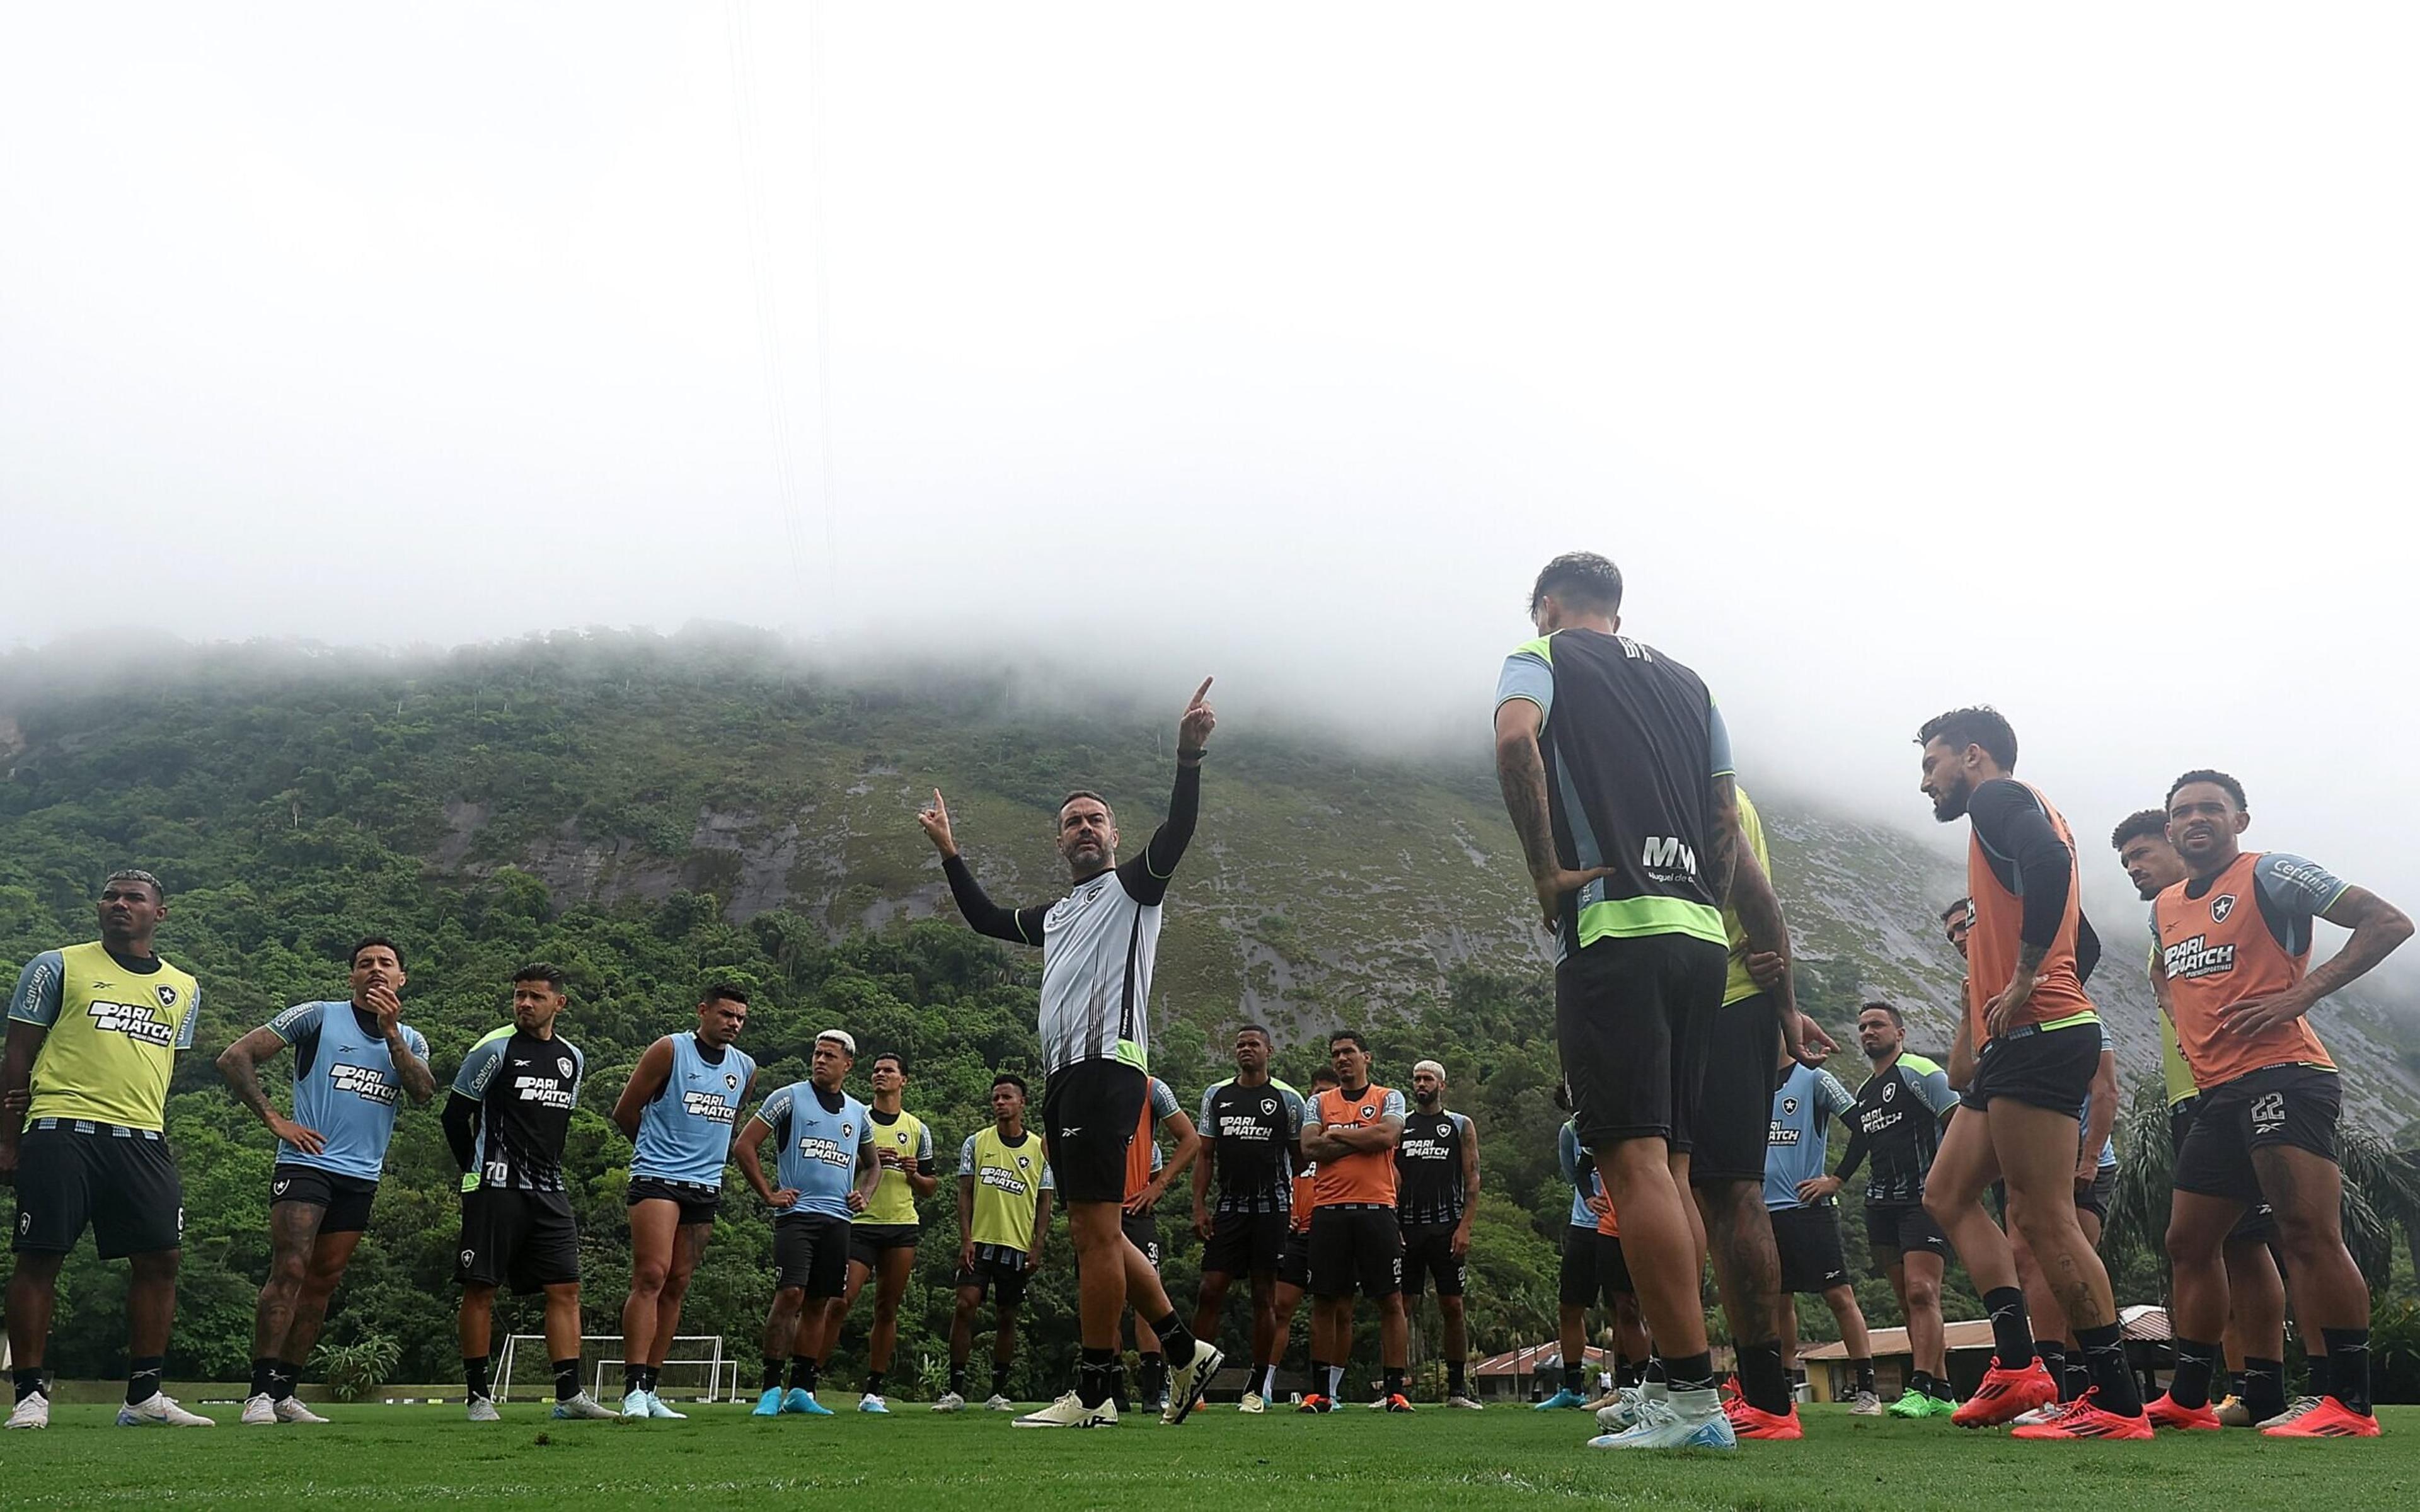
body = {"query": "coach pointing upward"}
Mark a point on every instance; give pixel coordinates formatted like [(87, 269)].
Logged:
[(1097, 948)]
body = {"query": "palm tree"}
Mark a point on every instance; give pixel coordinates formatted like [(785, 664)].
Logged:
[(2382, 1190)]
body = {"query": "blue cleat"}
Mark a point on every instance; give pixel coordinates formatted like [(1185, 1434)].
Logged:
[(1565, 1397), (769, 1404), (801, 1400)]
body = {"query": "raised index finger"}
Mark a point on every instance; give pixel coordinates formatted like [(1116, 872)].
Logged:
[(1200, 693)]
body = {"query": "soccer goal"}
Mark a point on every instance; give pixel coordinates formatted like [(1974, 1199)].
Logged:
[(694, 1369)]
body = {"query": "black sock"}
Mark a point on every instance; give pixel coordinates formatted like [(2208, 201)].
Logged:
[(1629, 1372), (143, 1375), (2318, 1386), (1394, 1381), (1150, 1375), (2077, 1381), (29, 1380), (1654, 1374), (874, 1384), (803, 1373), (1865, 1373), (567, 1379), (2190, 1385), (475, 1374), (1176, 1341), (2264, 1388), (1575, 1378), (958, 1381), (634, 1378), (2113, 1386), (1318, 1379), (1939, 1387), (1693, 1372), (2053, 1359), (282, 1376), (1761, 1380), (999, 1381), (2348, 1366), (1095, 1373), (264, 1371), (654, 1378), (1457, 1377), (2012, 1330), (772, 1373)]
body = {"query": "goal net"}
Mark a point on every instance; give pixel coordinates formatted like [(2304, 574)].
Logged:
[(695, 1369)]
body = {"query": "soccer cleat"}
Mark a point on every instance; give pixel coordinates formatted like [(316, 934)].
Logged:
[(160, 1410), (291, 1410), (259, 1410), (582, 1407), (33, 1413), (1253, 1402), (872, 1402), (1624, 1412), (1314, 1402), (2293, 1413), (2165, 1414), (2330, 1419), (656, 1408), (1393, 1402), (634, 1403), (2232, 1413), (768, 1404), (1188, 1382), (1752, 1421), (996, 1403), (2050, 1413), (799, 1401), (1465, 1403), (482, 1410), (1866, 1405), (1069, 1411), (2084, 1418), (1911, 1404), (951, 1403), (1662, 1425), (2004, 1394), (1940, 1406), (1560, 1400)]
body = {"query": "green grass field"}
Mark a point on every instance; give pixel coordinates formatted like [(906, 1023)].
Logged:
[(916, 1462)]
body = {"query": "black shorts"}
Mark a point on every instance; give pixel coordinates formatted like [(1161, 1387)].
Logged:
[(2095, 1199), (1356, 1249), (1244, 1244), (347, 1198), (811, 1250), (1142, 1231), (1727, 1135), (1809, 1242), (2046, 1069), (1293, 1261), (998, 1270), (1577, 1285), (121, 1183), (1612, 1269), (2258, 1225), (1906, 1226), (1090, 1111), (2296, 1105), (867, 1242), (525, 1239), (697, 1201), (1428, 1256), (1632, 1019)]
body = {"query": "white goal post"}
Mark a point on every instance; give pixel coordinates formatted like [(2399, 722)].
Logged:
[(694, 1369)]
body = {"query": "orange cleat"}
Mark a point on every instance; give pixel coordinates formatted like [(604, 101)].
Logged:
[(2165, 1414), (1748, 1422), (2004, 1394), (2331, 1419), (1396, 1402), (2085, 1419), (1314, 1402)]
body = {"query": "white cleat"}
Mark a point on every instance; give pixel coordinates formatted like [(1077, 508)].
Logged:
[(2294, 1412), (634, 1403), (996, 1403), (656, 1408), (259, 1410), (291, 1410), (951, 1403), (1468, 1404), (1663, 1426), (1867, 1405), (1188, 1382), (582, 1407), (1623, 1411), (1253, 1402), (33, 1413), (483, 1410), (160, 1411), (1069, 1411)]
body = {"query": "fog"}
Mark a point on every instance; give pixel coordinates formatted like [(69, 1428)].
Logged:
[(1903, 358)]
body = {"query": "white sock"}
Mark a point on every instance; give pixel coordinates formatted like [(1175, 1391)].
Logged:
[(1696, 1403), (1335, 1382), (1269, 1383)]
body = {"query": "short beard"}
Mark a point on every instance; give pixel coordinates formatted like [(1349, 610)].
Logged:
[(1878, 1056), (1951, 805)]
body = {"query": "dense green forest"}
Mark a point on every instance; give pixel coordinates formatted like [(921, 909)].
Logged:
[(560, 799)]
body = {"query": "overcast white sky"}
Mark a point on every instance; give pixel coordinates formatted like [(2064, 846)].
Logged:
[(1904, 356)]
